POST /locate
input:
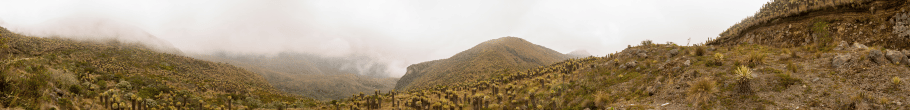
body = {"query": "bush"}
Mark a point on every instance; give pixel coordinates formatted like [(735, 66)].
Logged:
[(785, 80), (124, 85), (792, 67), (701, 90), (699, 51), (755, 59), (76, 89), (716, 61), (896, 80), (646, 42)]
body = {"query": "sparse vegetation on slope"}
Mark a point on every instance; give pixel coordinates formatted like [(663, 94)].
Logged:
[(56, 73), (667, 83)]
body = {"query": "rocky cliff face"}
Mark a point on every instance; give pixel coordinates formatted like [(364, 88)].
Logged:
[(414, 71)]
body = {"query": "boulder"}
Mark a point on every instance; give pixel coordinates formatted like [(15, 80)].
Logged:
[(629, 65), (687, 63), (840, 61), (896, 57), (674, 52), (877, 57), (643, 55), (858, 46), (841, 46)]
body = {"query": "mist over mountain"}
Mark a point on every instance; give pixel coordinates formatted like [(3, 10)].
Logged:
[(311, 75), (97, 29), (579, 53)]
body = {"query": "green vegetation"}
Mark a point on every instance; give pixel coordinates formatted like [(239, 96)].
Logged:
[(785, 81)]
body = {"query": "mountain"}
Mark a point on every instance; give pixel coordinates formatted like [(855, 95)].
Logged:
[(792, 54), (62, 73), (324, 78), (506, 54)]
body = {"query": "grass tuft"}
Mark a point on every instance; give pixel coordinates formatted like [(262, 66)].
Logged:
[(755, 59), (785, 80), (701, 90)]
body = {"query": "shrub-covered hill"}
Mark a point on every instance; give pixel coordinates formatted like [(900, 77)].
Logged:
[(507, 54), (667, 76), (825, 23), (309, 75), (55, 73)]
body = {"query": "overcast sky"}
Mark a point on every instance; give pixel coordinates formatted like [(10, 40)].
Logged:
[(395, 32)]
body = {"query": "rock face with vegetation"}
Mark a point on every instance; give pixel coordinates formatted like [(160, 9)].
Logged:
[(507, 54)]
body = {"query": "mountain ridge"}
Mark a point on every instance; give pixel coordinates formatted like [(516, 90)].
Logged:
[(496, 55)]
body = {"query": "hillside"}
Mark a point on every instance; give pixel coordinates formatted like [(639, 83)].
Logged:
[(502, 55), (824, 23), (667, 76), (311, 76), (59, 73), (793, 54)]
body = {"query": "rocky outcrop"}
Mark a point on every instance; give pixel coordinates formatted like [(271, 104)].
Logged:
[(674, 52), (629, 65), (901, 23), (841, 61), (896, 57), (877, 57)]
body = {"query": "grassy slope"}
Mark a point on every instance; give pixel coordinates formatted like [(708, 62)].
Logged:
[(507, 54), (660, 80), (60, 73), (789, 70)]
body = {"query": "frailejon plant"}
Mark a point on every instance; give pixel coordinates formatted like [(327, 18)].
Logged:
[(743, 77)]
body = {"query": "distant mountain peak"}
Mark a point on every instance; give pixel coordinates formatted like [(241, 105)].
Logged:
[(491, 56), (579, 53)]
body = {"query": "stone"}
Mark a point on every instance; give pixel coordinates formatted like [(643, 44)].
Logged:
[(877, 57), (643, 55), (674, 52), (840, 61), (841, 46), (687, 63), (629, 64), (896, 57), (711, 48), (858, 46)]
